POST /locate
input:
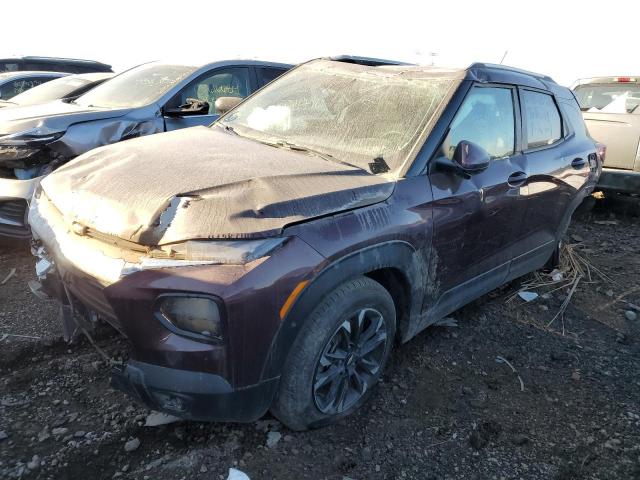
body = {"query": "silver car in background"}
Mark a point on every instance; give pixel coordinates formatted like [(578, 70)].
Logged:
[(611, 109)]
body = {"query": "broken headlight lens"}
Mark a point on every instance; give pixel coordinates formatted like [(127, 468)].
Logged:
[(198, 315), (236, 252), (24, 145), (17, 152)]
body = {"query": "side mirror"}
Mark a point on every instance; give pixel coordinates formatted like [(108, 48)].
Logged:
[(224, 104), (471, 157), (192, 107)]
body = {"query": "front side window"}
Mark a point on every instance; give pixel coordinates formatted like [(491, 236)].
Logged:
[(350, 113), (485, 118), (137, 87), (225, 82), (542, 119)]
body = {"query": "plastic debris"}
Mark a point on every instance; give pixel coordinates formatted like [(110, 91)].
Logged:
[(235, 474), (155, 419), (527, 296), (8, 277)]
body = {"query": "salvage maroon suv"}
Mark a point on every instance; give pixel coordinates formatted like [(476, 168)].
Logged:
[(270, 261)]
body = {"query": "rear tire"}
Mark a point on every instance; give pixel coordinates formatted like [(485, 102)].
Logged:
[(338, 356)]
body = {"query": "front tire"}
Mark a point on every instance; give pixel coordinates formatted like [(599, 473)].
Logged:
[(338, 355)]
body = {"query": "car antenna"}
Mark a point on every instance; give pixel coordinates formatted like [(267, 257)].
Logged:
[(504, 56)]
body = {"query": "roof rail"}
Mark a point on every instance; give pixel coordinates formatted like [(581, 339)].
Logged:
[(368, 61), (512, 69)]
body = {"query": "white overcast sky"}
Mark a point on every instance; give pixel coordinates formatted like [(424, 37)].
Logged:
[(564, 39)]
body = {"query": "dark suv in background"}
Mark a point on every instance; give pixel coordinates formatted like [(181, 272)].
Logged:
[(271, 260), (52, 64)]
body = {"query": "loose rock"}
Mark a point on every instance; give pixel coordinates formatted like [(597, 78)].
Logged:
[(132, 445), (273, 438)]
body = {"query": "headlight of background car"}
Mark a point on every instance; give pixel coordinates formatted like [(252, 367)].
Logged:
[(23, 145), (198, 315)]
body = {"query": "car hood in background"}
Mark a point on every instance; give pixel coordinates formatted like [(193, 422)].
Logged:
[(202, 183), (54, 116)]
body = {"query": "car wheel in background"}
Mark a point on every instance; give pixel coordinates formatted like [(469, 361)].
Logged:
[(338, 356)]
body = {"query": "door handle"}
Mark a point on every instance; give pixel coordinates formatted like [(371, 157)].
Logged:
[(516, 179), (578, 162)]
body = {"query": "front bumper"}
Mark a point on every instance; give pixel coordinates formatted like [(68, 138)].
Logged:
[(14, 197), (193, 395), (624, 181)]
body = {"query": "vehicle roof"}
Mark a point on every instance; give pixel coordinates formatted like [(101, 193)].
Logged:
[(55, 60), (27, 74), (479, 72), (220, 63)]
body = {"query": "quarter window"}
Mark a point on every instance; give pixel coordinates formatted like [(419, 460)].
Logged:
[(269, 74), (486, 118), (542, 119)]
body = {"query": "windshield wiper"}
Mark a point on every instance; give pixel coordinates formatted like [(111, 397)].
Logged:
[(227, 128), (299, 148)]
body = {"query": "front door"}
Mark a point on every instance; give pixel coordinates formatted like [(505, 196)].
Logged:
[(475, 215), (221, 82)]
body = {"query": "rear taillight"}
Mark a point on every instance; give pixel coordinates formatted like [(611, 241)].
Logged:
[(601, 150), (625, 80)]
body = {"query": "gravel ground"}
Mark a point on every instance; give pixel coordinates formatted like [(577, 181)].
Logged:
[(448, 407)]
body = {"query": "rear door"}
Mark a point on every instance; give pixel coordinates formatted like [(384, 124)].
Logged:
[(475, 215), (220, 82), (557, 168)]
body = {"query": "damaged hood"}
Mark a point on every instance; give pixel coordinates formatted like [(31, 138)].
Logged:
[(200, 183), (54, 116)]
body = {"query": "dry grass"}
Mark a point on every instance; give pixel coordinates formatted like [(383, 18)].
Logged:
[(574, 268)]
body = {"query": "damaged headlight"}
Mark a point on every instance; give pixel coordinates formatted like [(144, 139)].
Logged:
[(225, 252), (30, 138), (203, 252), (24, 145)]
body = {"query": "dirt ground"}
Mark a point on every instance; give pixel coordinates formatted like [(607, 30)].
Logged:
[(448, 408)]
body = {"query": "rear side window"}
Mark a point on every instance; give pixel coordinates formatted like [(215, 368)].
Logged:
[(485, 118), (15, 87), (268, 74), (8, 67), (609, 98), (542, 119)]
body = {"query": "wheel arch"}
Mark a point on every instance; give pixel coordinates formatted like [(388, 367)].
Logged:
[(396, 265)]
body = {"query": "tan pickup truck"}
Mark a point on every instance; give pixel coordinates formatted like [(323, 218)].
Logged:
[(611, 109)]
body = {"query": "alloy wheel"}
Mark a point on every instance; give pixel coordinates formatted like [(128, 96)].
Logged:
[(350, 362)]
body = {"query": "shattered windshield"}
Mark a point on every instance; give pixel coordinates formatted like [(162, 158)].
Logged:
[(370, 117), (136, 87), (609, 98)]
